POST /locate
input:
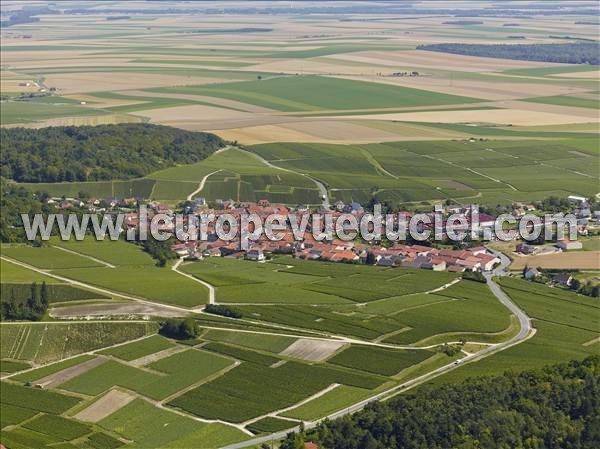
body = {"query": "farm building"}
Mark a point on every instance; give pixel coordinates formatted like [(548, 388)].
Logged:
[(569, 245)]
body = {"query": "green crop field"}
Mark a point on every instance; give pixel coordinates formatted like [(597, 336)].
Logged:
[(317, 94), (56, 292), (178, 372), (47, 258), (58, 426), (241, 354), (270, 425), (36, 399), (272, 389), (415, 171), (234, 174), (243, 282), (332, 401), (11, 273), (309, 93), (565, 100), (9, 366), (52, 368), (378, 360), (269, 343), (566, 328), (22, 341), (141, 348), (149, 426)]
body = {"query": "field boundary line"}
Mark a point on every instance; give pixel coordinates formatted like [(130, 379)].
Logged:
[(95, 259), (92, 287), (274, 413)]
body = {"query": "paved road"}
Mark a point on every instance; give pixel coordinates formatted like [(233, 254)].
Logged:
[(322, 189), (525, 332)]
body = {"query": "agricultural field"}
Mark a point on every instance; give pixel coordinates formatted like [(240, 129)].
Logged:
[(341, 98), (405, 172), (566, 329), (110, 266), (48, 342), (294, 281)]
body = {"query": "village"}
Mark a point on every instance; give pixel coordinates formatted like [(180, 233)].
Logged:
[(425, 255)]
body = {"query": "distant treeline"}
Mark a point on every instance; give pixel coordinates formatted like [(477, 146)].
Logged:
[(26, 15), (94, 153), (575, 53), (463, 22), (557, 407)]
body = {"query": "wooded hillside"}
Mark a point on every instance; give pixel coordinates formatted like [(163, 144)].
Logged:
[(558, 407), (92, 153)]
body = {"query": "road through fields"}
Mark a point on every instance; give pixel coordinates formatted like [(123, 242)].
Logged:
[(526, 331)]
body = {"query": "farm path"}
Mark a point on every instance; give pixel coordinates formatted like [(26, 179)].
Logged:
[(106, 264), (319, 184), (183, 310), (211, 289), (274, 414), (465, 168), (201, 185)]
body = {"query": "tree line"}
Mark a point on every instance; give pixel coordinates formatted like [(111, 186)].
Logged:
[(32, 308), (557, 407), (95, 153), (571, 53)]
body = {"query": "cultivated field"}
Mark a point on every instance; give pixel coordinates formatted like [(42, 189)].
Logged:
[(306, 97)]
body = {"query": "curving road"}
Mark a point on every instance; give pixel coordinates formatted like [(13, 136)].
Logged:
[(526, 331)]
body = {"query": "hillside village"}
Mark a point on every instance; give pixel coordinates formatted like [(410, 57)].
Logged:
[(418, 255)]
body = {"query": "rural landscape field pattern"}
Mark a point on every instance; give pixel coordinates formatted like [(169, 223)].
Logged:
[(315, 107)]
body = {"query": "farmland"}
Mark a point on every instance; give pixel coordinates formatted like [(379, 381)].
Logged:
[(309, 98), (111, 265), (62, 340)]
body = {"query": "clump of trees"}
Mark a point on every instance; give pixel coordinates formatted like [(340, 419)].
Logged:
[(474, 276), (556, 407), (159, 250), (32, 307), (571, 53), (181, 329), (218, 309), (95, 153)]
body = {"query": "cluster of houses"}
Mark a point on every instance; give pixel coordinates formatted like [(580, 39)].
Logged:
[(335, 250), (526, 249)]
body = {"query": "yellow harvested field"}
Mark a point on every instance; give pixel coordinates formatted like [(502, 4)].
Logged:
[(202, 98), (92, 120), (99, 81), (12, 85), (329, 131), (592, 74), (437, 60), (195, 113), (488, 90), (262, 134), (488, 116), (585, 260)]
